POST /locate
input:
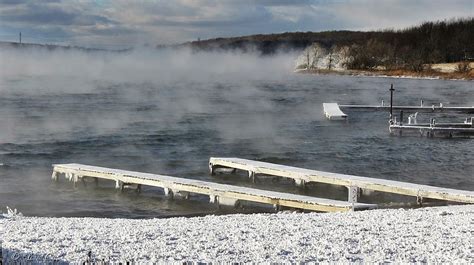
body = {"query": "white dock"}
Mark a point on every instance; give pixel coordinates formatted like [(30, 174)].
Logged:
[(333, 112), (218, 193), (431, 131), (353, 183), (421, 108)]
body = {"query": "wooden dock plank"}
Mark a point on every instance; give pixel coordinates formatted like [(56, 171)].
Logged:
[(307, 175), (175, 184)]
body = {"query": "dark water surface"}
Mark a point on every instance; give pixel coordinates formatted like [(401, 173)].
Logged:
[(173, 128)]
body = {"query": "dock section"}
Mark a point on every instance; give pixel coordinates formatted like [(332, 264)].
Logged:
[(421, 108), (220, 194), (433, 129), (353, 183), (430, 131), (333, 112)]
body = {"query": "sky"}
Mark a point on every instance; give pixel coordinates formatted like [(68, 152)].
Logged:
[(117, 24)]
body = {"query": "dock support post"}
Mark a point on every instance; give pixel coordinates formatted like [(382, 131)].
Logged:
[(300, 183), (213, 199), (391, 102), (72, 177), (211, 169), (75, 178), (168, 193), (419, 199), (118, 184), (276, 207), (252, 176), (353, 194), (54, 176)]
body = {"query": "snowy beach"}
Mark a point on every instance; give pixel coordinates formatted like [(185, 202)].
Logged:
[(440, 234)]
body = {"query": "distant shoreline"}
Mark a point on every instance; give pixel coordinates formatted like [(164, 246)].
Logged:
[(431, 75)]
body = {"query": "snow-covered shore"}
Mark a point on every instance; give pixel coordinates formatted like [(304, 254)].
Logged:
[(441, 234), (381, 74)]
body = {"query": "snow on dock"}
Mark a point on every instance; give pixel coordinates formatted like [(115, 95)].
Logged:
[(333, 112), (353, 183), (421, 108), (220, 194), (424, 235), (433, 129)]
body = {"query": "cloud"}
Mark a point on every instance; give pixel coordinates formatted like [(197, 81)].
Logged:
[(50, 15), (372, 15), (122, 22)]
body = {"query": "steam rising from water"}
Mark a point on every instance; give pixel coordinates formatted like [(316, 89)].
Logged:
[(167, 111), (174, 82)]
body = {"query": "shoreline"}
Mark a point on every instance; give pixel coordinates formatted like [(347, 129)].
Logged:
[(393, 74), (436, 234)]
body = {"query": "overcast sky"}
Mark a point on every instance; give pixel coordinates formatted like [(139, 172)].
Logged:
[(125, 23)]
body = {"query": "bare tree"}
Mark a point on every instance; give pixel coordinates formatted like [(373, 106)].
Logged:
[(330, 60)]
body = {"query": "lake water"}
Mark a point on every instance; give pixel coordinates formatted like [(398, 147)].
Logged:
[(173, 126)]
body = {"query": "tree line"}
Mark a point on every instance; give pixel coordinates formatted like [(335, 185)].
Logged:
[(417, 47), (412, 48)]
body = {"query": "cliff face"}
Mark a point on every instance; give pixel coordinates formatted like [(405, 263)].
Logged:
[(316, 57)]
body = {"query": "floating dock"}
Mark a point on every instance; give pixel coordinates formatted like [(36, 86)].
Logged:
[(430, 131), (421, 108), (433, 129), (220, 194), (333, 112), (353, 183)]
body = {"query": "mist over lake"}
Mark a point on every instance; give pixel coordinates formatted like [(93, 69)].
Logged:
[(168, 111)]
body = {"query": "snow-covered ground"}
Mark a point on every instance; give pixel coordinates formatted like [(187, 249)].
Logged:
[(448, 67), (442, 234)]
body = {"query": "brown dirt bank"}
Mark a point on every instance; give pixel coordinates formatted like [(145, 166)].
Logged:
[(397, 73)]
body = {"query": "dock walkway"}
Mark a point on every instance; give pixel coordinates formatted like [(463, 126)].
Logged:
[(218, 193), (353, 183), (432, 108), (333, 111)]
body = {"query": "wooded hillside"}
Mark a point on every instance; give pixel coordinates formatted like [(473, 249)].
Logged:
[(428, 43)]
